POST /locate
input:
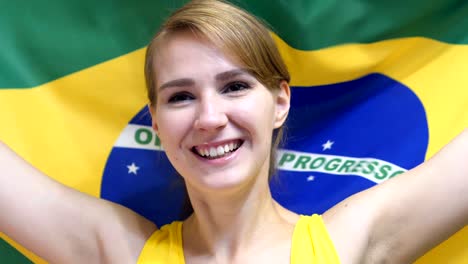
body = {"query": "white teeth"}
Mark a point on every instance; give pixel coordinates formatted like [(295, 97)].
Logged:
[(206, 152), (220, 150), (213, 152)]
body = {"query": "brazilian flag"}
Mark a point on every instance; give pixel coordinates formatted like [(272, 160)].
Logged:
[(381, 83)]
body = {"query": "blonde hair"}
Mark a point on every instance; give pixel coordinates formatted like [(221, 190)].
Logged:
[(237, 33)]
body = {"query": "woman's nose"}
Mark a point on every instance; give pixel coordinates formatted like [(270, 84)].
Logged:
[(211, 115)]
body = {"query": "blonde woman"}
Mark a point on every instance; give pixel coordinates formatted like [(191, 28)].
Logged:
[(219, 96)]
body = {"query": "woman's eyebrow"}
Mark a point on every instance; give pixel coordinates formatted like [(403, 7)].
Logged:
[(223, 76), (227, 75), (183, 82)]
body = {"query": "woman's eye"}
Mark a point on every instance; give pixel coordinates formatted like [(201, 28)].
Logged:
[(235, 87), (180, 97)]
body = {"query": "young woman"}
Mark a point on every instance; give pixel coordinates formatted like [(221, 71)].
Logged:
[(219, 95)]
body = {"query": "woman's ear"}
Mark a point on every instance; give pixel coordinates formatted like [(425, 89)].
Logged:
[(152, 111), (283, 99)]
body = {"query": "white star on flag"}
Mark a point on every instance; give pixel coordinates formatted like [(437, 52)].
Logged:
[(327, 145), (132, 168)]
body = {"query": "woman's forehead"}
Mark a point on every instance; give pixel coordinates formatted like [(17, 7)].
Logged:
[(186, 39), (190, 53)]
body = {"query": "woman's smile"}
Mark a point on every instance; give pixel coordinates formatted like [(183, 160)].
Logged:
[(217, 150), (218, 153)]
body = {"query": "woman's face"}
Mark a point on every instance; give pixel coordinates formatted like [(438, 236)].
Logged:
[(214, 119)]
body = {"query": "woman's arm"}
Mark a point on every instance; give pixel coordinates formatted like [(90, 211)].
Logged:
[(401, 219), (63, 225)]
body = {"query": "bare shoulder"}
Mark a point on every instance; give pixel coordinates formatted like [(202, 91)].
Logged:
[(123, 234)]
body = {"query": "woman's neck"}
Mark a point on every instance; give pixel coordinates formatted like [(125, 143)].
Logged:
[(224, 225)]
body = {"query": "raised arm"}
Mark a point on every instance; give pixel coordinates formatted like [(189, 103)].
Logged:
[(401, 219), (63, 225)]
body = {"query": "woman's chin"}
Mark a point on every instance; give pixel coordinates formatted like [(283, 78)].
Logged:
[(221, 182)]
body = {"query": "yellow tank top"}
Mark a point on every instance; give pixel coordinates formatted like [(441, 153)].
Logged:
[(310, 244)]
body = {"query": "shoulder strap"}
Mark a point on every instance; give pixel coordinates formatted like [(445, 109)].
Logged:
[(311, 242), (164, 246)]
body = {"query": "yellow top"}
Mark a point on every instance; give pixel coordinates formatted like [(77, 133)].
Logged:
[(310, 244)]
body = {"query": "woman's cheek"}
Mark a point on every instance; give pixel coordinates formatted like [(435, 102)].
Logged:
[(172, 125)]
